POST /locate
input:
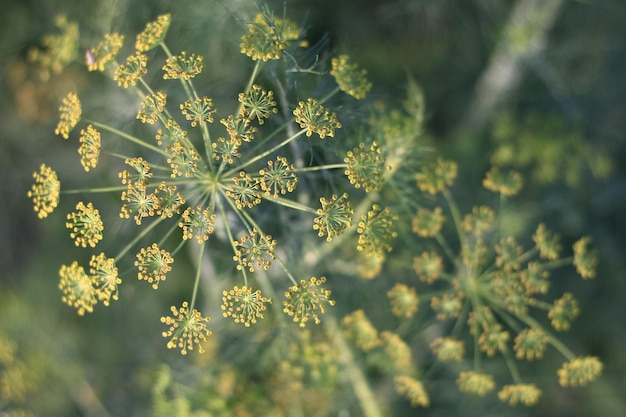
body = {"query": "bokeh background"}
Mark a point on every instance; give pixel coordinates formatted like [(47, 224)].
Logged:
[(549, 78)]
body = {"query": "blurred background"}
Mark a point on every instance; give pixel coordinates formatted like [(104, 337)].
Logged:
[(536, 85)]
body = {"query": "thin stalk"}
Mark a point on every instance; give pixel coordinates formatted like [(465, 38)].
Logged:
[(231, 240), (196, 284), (266, 153), (456, 214), (96, 190), (130, 138), (321, 168), (143, 233), (362, 391)]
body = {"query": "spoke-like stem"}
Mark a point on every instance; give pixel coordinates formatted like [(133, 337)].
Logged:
[(284, 267), (231, 238), (329, 95), (321, 168), (143, 233), (196, 284), (362, 390), (266, 153), (456, 214), (130, 138), (96, 190), (291, 204)]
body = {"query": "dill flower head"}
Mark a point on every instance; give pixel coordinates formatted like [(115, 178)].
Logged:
[(151, 107), (182, 67), (307, 300), (428, 223), (244, 190), (186, 329), (447, 306), (397, 350), (69, 115), (314, 118), (197, 223), (77, 289), (105, 52), (507, 184), (104, 278), (278, 177), (59, 50), (153, 34), (437, 176), (239, 129), (85, 225), (139, 176), (243, 305), (530, 344), (447, 349), (183, 160), (358, 328), (404, 300), (135, 67), (169, 200), (585, 260), (508, 254), (45, 191), (89, 150), (547, 243), (479, 221), (225, 149), (368, 267), (349, 77), (475, 383), (257, 103), (171, 134), (199, 111), (579, 371), (376, 230), (153, 264), (365, 167), (334, 216), (535, 279), (268, 36), (138, 202), (428, 266), (526, 394), (493, 339), (412, 389), (255, 251), (563, 311)]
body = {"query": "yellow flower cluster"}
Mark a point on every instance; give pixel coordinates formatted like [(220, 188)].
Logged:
[(45, 191), (306, 301), (186, 329), (243, 305)]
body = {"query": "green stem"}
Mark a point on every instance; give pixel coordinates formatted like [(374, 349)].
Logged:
[(196, 284), (564, 350), (321, 168), (130, 138), (456, 214), (231, 239), (266, 153), (329, 95), (510, 363), (96, 190), (366, 397), (293, 280), (291, 204), (143, 233)]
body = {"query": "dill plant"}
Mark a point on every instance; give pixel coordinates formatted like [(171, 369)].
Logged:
[(196, 177), (201, 173)]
